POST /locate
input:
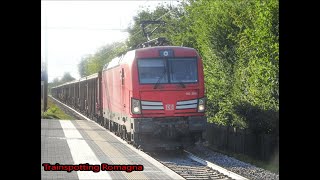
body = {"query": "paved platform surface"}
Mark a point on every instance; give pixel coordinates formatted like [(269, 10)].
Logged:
[(86, 147)]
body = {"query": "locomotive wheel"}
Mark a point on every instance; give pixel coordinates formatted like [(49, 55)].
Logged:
[(102, 122), (129, 138), (124, 133), (105, 123)]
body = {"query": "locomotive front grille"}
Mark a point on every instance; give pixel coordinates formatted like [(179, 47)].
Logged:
[(158, 105), (151, 105), (189, 104)]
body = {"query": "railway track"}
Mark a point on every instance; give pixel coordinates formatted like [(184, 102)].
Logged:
[(192, 167)]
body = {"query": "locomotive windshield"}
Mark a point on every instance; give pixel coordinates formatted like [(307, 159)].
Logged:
[(171, 70)]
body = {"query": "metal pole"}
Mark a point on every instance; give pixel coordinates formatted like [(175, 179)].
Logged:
[(45, 87)]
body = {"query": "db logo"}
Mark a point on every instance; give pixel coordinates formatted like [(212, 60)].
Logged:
[(169, 107)]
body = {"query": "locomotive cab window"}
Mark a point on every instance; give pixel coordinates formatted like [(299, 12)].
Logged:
[(171, 70), (183, 70), (151, 70)]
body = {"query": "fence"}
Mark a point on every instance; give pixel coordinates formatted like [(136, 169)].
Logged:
[(263, 147)]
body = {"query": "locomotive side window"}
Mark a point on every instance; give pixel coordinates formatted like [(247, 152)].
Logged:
[(152, 71)]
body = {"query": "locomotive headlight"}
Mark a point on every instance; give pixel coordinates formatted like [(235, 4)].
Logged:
[(136, 110), (135, 106), (201, 105), (201, 108)]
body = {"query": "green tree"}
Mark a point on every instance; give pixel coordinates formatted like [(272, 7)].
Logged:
[(170, 15), (66, 78), (83, 66), (54, 83), (91, 64), (238, 41), (257, 73)]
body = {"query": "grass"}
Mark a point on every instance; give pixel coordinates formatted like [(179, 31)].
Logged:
[(54, 112), (272, 165)]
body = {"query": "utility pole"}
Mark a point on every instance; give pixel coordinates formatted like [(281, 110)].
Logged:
[(45, 85), (45, 88)]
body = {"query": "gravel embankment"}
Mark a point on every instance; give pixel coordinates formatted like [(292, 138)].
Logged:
[(188, 168)]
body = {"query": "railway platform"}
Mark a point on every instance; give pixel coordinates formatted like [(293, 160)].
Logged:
[(81, 149)]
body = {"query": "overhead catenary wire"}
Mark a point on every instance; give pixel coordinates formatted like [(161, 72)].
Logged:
[(86, 28), (149, 24), (169, 12)]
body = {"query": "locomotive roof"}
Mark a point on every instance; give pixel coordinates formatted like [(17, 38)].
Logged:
[(116, 61), (164, 47)]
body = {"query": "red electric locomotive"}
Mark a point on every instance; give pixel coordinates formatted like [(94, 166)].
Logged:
[(154, 97)]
